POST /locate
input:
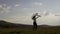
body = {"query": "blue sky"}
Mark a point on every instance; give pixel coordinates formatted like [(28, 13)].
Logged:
[(19, 11)]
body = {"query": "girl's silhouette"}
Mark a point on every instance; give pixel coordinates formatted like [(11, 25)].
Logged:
[(34, 21)]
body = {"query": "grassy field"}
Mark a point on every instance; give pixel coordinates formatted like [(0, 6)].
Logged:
[(29, 31)]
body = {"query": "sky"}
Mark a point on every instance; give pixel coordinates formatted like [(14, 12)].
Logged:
[(21, 11)]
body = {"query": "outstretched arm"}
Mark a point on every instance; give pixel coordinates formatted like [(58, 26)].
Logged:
[(38, 16)]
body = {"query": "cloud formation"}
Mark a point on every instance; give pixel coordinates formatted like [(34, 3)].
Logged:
[(4, 9), (17, 5), (49, 20), (38, 3), (22, 11)]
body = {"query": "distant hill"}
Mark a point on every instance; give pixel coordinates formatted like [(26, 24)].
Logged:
[(48, 26), (44, 25), (5, 24)]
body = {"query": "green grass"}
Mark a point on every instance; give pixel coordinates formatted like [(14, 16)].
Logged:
[(29, 31)]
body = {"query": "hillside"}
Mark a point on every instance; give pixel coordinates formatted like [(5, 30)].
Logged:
[(12, 25), (6, 24)]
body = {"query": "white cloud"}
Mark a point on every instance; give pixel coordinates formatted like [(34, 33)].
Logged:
[(38, 3), (17, 5), (4, 9), (45, 13)]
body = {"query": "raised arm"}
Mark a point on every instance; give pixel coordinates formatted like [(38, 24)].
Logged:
[(38, 16)]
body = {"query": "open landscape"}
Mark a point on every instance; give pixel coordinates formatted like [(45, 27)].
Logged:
[(29, 16), (10, 28)]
